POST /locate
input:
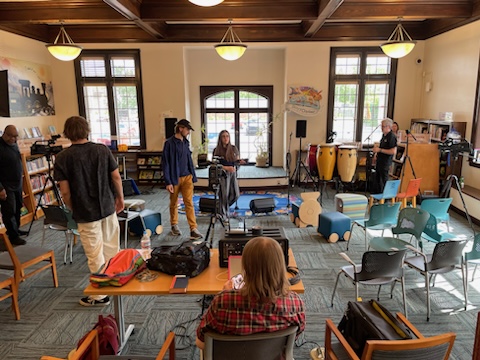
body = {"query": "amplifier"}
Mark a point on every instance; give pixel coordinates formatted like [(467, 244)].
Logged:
[(233, 245)]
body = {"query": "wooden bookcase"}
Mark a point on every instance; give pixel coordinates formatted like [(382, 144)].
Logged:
[(130, 163), (149, 167)]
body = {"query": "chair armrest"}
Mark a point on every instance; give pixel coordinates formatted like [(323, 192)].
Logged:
[(168, 346), (347, 258), (418, 252), (329, 352), (50, 358), (412, 327)]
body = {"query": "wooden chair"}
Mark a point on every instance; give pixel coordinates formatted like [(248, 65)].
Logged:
[(20, 258), (411, 193), (265, 346), (426, 348), (91, 346), (8, 283)]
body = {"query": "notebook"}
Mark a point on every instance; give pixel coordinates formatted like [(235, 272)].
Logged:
[(234, 266)]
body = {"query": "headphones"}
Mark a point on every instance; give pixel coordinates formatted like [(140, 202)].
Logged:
[(295, 279)]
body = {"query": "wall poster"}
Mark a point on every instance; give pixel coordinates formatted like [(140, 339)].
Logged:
[(304, 100), (30, 90)]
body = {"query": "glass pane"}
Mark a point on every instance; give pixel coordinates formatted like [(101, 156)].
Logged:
[(347, 64), (123, 67), (345, 111), (254, 134), (378, 64), (92, 67), (126, 113), (216, 122), (96, 108), (252, 100), (374, 109), (223, 100)]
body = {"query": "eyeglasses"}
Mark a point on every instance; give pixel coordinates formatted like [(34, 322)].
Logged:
[(385, 126)]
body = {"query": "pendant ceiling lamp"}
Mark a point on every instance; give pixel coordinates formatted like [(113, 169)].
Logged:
[(206, 2), (231, 47), (65, 49), (399, 44)]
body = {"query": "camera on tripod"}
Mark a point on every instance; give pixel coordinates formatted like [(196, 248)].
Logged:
[(455, 147), (215, 172), (46, 147)]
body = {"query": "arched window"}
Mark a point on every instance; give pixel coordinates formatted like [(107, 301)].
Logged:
[(246, 112)]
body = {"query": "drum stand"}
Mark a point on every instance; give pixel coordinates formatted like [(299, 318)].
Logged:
[(300, 165)]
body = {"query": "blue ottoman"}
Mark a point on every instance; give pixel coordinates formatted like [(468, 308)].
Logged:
[(334, 226), (151, 219)]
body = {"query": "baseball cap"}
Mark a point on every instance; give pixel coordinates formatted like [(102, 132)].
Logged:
[(185, 123)]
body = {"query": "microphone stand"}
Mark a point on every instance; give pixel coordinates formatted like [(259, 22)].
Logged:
[(369, 161)]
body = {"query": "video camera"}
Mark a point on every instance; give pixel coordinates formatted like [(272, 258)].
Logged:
[(46, 147), (215, 172), (455, 147)]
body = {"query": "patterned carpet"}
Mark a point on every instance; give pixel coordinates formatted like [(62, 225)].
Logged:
[(242, 207), (52, 320)]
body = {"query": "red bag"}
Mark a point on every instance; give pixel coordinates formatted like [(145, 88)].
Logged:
[(108, 336)]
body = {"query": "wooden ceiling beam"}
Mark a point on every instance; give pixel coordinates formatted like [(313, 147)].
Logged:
[(327, 9)]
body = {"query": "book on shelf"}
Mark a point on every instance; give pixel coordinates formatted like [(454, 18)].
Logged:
[(141, 161), (146, 175), (153, 160), (157, 175)]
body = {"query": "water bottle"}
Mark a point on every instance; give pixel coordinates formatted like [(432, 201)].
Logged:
[(145, 244)]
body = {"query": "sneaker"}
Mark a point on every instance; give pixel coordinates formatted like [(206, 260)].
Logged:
[(18, 241), (88, 301), (195, 234), (175, 231)]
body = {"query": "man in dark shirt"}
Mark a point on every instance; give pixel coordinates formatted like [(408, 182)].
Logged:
[(91, 187), (384, 153), (179, 175), (11, 171)]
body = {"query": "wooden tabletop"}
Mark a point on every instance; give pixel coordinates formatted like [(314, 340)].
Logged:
[(210, 281)]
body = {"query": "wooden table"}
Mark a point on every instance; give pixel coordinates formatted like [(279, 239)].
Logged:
[(210, 281)]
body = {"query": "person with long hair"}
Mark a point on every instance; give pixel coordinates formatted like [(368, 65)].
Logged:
[(263, 304), (228, 156)]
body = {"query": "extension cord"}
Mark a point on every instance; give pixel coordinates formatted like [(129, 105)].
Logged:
[(317, 353)]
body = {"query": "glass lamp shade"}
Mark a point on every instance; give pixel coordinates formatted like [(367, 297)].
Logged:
[(64, 52), (397, 49), (231, 51), (206, 2)]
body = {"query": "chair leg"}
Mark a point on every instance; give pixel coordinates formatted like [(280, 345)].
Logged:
[(43, 234), (15, 305), (402, 280), (53, 265), (427, 286), (474, 270), (351, 233), (414, 201), (126, 234), (66, 249), (464, 278), (378, 292), (335, 287), (356, 291)]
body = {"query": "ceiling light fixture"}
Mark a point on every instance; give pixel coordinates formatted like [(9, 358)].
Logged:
[(399, 44), (206, 2), (231, 47), (66, 50)]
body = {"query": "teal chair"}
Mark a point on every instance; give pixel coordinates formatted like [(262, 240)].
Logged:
[(473, 257), (432, 234), (382, 217), (390, 191), (438, 208)]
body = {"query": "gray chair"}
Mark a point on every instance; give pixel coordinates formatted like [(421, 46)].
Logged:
[(445, 258), (59, 218), (431, 232), (411, 221), (378, 268), (266, 346), (473, 257)]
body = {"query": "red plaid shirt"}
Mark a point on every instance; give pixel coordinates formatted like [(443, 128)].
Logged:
[(233, 314)]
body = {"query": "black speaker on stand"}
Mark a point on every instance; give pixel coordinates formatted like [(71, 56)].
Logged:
[(301, 132)]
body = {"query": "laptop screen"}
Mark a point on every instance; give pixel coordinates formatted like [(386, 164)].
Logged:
[(234, 266)]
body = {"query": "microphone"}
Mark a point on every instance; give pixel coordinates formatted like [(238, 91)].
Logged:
[(410, 133)]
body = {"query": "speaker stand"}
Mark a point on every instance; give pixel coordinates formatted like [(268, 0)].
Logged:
[(300, 165)]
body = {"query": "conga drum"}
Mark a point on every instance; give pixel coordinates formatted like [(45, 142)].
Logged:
[(347, 162), (326, 161), (312, 160)]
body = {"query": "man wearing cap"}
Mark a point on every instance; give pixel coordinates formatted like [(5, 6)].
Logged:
[(179, 174)]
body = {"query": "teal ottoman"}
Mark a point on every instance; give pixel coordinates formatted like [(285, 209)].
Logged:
[(334, 226)]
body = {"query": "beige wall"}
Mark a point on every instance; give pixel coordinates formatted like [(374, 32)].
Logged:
[(172, 74)]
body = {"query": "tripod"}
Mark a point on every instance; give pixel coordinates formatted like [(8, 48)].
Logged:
[(288, 160), (300, 165), (42, 193), (407, 158), (214, 184)]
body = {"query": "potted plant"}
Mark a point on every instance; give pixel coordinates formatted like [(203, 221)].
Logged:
[(262, 147), (202, 149)]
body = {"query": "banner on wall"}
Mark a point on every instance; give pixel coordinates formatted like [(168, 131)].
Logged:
[(303, 100), (30, 90)]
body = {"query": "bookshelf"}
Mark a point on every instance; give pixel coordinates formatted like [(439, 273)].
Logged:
[(149, 167)]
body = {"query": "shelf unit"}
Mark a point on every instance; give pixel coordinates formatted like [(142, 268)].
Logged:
[(438, 130), (130, 163), (149, 167), (425, 160)]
